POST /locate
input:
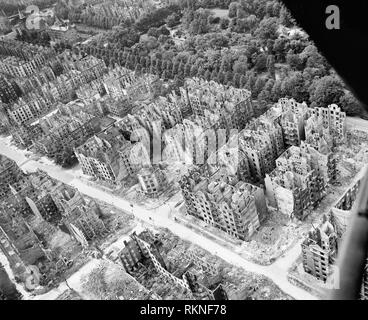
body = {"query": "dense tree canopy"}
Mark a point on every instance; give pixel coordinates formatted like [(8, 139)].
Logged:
[(257, 44)]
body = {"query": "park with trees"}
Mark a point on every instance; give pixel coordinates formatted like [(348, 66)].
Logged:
[(257, 45)]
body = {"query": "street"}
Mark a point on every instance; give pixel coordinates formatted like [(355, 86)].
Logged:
[(356, 124), (277, 272)]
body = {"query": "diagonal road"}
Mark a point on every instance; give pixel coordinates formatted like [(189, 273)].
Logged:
[(277, 272)]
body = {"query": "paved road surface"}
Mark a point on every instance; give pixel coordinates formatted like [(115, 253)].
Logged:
[(356, 124)]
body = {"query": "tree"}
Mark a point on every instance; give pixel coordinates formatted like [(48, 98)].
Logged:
[(276, 8), (269, 8), (199, 24), (187, 69), (285, 17), (326, 91), (207, 75), (251, 81), (153, 32), (155, 18), (261, 63), (61, 10), (188, 16), (276, 91), (214, 75), (271, 65), (311, 57), (236, 80), (251, 22), (233, 8), (294, 86), (280, 47), (233, 25), (164, 31), (228, 78), (172, 20), (241, 65), (294, 61), (266, 93), (220, 77), (351, 105), (224, 23), (267, 29), (241, 14), (193, 70), (218, 41), (258, 86)]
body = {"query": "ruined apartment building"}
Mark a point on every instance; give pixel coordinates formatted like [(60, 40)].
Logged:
[(54, 70), (80, 217), (29, 107), (234, 106), (319, 250), (109, 156), (99, 157), (89, 106), (26, 51), (62, 130), (117, 11), (18, 239), (325, 127), (261, 141), (317, 126), (201, 282), (321, 246), (24, 135), (115, 107), (38, 102), (185, 143), (46, 208), (9, 90), (121, 82), (118, 83), (152, 180), (168, 110), (147, 122), (11, 176), (91, 89), (22, 59), (332, 118), (47, 73), (318, 136), (234, 207), (299, 181), (5, 126), (207, 137), (290, 115), (341, 213), (66, 208), (5, 25), (231, 161), (16, 67)]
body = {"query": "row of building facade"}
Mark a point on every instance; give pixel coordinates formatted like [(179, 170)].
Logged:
[(322, 244), (34, 209)]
